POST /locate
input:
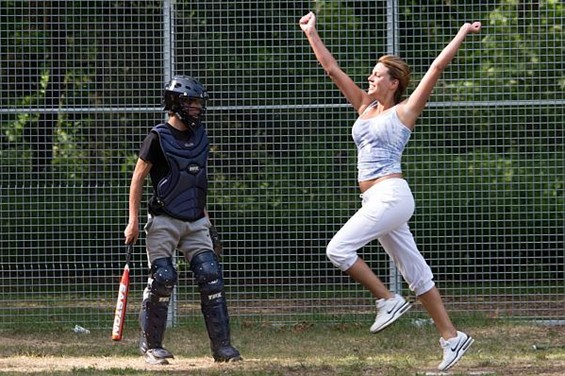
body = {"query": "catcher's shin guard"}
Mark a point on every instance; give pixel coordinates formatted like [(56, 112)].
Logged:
[(208, 274), (154, 308)]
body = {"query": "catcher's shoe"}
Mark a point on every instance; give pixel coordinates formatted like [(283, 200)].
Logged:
[(154, 356), (227, 354), (157, 355)]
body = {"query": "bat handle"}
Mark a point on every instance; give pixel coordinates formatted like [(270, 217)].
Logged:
[(129, 251)]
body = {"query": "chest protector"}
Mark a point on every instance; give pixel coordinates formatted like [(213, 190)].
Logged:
[(182, 192)]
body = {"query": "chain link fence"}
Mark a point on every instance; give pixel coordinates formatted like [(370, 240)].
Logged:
[(81, 86)]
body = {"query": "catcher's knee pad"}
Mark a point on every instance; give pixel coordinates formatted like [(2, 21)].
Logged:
[(163, 279), (208, 274)]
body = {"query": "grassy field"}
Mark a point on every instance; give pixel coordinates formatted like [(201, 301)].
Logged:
[(302, 349)]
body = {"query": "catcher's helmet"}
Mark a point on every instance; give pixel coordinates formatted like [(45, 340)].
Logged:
[(178, 94)]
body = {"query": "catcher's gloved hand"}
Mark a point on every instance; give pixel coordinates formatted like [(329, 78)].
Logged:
[(216, 242)]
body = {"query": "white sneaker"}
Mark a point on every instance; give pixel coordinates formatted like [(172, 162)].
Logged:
[(388, 311), (453, 349), (157, 356)]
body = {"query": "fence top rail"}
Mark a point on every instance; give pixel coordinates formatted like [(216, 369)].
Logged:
[(508, 103)]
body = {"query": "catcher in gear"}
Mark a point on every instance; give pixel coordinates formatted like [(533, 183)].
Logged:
[(175, 156)]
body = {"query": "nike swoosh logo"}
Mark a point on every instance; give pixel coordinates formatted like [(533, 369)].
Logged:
[(391, 310), (454, 349)]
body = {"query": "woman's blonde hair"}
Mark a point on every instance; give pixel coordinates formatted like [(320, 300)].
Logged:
[(398, 70)]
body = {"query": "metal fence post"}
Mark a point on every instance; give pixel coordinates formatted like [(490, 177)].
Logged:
[(168, 61), (392, 42)]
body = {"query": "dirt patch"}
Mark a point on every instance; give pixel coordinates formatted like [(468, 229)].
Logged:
[(31, 364)]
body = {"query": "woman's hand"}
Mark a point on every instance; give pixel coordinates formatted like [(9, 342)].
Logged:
[(308, 22), (473, 28)]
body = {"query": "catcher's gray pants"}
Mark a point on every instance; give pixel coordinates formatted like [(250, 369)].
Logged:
[(386, 208), (165, 234)]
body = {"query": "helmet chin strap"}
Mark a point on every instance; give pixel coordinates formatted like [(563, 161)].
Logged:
[(188, 122)]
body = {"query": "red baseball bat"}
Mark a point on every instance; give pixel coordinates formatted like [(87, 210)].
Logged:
[(121, 304)]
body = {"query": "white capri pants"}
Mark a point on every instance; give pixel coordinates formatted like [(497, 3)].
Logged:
[(386, 208)]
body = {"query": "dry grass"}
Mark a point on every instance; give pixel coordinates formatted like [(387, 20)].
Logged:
[(303, 349)]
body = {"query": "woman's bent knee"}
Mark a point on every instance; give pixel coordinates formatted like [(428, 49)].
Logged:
[(339, 258), (423, 287)]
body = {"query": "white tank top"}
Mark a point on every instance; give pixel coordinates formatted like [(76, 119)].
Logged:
[(380, 142)]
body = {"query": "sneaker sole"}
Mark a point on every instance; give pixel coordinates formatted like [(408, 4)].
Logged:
[(399, 312), (229, 360), (461, 352)]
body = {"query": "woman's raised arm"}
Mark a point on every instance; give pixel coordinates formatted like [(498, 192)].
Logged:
[(411, 109), (353, 93)]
